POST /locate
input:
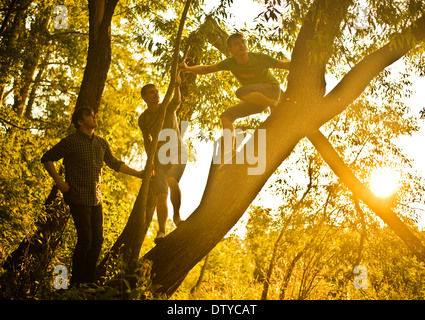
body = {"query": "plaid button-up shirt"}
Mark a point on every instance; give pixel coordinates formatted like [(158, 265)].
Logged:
[(83, 159)]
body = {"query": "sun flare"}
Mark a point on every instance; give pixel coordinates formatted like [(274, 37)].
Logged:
[(384, 182)]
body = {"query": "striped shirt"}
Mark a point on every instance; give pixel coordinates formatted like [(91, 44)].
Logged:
[(83, 159)]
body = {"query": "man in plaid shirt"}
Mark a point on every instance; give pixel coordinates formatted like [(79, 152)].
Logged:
[(84, 153)]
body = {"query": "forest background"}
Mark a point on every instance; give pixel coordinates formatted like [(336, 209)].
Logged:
[(305, 233)]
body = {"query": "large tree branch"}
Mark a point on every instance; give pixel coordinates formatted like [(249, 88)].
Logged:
[(96, 12), (379, 206), (356, 80), (313, 48)]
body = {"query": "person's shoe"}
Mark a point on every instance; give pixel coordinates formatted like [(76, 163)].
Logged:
[(177, 220), (159, 237)]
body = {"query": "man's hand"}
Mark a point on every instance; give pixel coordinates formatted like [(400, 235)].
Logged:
[(178, 80), (63, 186), (199, 69), (184, 67)]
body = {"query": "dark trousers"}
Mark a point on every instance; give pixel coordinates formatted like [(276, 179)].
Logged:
[(89, 225)]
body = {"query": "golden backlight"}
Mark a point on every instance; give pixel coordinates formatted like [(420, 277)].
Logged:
[(384, 182)]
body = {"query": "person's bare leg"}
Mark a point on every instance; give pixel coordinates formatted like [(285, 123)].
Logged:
[(259, 98), (162, 211), (175, 196), (228, 124)]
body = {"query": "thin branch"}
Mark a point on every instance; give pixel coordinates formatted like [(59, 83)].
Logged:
[(12, 124)]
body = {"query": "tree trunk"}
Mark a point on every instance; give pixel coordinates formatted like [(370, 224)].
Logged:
[(10, 40), (201, 275), (31, 61), (128, 235), (99, 53)]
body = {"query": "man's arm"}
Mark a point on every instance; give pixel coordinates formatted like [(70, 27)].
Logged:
[(283, 65), (199, 69), (118, 165), (57, 152), (130, 171), (50, 168)]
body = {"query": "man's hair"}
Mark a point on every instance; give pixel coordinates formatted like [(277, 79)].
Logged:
[(146, 88), (233, 37), (79, 114)]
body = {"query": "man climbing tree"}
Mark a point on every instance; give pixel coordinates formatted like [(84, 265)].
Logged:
[(260, 89), (168, 169)]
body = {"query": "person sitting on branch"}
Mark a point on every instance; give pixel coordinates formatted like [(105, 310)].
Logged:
[(260, 89)]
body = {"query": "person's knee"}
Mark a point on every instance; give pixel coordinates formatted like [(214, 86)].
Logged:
[(226, 120), (161, 198), (241, 92), (172, 182)]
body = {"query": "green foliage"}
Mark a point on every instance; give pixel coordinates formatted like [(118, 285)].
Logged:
[(117, 285)]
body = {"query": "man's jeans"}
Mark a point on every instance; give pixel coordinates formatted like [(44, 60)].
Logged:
[(89, 225)]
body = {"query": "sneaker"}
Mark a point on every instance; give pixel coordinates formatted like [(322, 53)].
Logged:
[(159, 236)]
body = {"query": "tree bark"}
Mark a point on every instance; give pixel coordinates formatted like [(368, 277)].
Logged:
[(99, 53)]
